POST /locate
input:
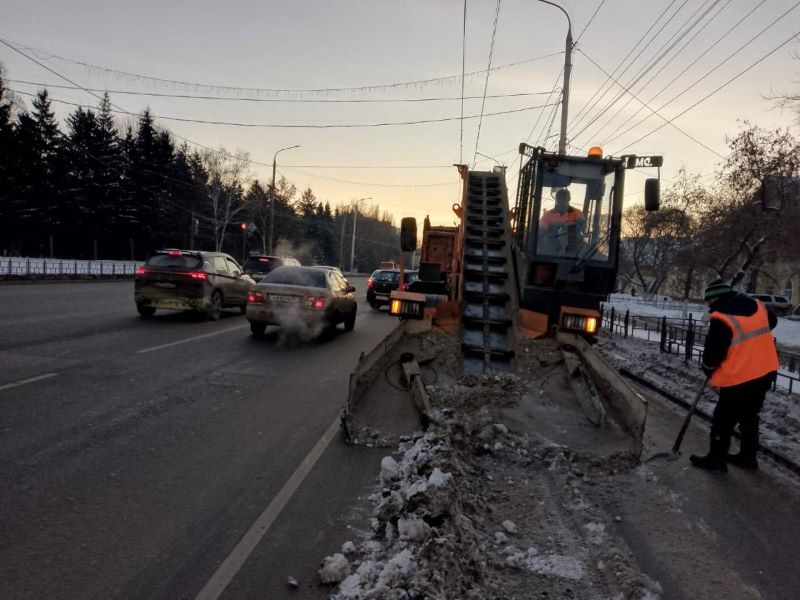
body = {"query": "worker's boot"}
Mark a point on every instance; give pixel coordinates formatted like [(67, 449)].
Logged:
[(745, 461), (715, 460)]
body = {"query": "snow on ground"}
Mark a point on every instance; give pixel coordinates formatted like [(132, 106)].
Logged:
[(787, 332), (479, 508)]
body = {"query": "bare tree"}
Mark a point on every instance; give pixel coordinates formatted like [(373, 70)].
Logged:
[(758, 208), (227, 176)]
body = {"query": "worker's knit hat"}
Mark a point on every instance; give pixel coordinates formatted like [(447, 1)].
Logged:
[(716, 289)]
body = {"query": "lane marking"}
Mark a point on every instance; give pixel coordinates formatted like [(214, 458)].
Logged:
[(30, 380), (231, 565), (191, 339)]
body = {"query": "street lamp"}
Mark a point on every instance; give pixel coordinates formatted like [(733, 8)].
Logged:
[(353, 244), (273, 197), (490, 158), (562, 142)]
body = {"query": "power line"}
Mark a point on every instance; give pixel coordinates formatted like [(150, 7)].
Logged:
[(666, 122), (729, 57), (280, 100), (689, 66), (649, 66), (306, 125), (585, 27), (235, 89), (381, 185), (735, 77), (463, 66), (589, 105)]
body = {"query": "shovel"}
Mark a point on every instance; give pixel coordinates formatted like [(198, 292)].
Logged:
[(676, 452)]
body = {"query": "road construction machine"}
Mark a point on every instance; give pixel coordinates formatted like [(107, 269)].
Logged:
[(541, 266)]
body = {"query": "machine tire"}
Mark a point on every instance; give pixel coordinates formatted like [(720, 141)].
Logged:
[(214, 309), (350, 321), (257, 330), (145, 311)]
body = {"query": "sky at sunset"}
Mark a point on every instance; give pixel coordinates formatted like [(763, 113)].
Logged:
[(371, 90)]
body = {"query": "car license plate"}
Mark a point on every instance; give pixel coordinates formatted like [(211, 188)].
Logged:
[(381, 297), (283, 298), (165, 284)]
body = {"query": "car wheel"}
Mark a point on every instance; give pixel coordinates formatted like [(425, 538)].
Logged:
[(214, 309), (258, 329), (145, 311), (350, 321), (374, 306)]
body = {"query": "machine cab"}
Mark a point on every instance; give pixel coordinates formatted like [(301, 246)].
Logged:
[(566, 229)]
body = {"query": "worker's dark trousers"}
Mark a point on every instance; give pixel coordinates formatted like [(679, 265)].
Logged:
[(738, 404)]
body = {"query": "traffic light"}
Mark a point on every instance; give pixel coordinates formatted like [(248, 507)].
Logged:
[(243, 226)]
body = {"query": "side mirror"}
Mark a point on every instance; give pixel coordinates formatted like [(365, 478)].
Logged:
[(408, 234), (652, 194)]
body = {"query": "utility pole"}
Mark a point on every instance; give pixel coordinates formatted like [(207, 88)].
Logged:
[(562, 142), (273, 196), (341, 246)]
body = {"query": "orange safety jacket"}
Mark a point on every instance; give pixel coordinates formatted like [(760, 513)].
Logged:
[(553, 217), (752, 353)]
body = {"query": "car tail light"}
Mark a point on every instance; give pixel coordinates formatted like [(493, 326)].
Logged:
[(403, 287), (175, 253), (370, 282), (201, 275), (315, 302), (141, 270), (255, 298)]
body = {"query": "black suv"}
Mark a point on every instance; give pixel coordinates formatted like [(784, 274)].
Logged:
[(190, 280), (383, 281), (258, 265)]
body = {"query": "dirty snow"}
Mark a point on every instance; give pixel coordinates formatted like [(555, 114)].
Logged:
[(479, 508)]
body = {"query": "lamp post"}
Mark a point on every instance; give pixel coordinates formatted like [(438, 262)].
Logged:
[(562, 142), (353, 244), (273, 197)]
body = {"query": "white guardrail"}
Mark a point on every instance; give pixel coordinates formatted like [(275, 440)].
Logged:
[(22, 267)]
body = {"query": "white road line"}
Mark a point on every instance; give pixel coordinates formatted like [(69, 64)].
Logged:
[(191, 339), (231, 565), (30, 380)]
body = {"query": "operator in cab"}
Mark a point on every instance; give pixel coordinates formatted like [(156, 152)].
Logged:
[(562, 229)]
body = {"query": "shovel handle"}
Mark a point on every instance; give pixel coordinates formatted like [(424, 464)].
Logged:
[(688, 418)]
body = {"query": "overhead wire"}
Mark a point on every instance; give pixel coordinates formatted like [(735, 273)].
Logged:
[(650, 109), (707, 96), (662, 53), (589, 104), (255, 90), (486, 82), (277, 100), (612, 136), (703, 77), (304, 125), (630, 65)]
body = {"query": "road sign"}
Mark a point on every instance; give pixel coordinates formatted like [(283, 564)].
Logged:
[(252, 227)]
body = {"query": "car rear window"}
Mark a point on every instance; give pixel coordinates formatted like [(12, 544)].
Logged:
[(388, 277), (169, 261), (781, 299), (411, 276), (297, 276), (262, 264)]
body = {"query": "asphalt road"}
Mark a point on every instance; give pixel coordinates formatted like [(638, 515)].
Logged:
[(170, 457)]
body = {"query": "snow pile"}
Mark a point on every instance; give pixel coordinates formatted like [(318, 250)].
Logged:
[(475, 509), (780, 416)]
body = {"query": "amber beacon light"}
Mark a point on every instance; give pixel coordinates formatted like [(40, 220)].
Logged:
[(596, 152)]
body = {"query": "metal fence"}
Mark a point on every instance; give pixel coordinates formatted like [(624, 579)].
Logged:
[(684, 336), (40, 268)]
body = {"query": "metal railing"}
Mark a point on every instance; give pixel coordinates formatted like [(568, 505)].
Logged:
[(683, 336), (42, 268)]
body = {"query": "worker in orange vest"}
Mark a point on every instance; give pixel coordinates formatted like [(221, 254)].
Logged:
[(741, 359), (562, 228)]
